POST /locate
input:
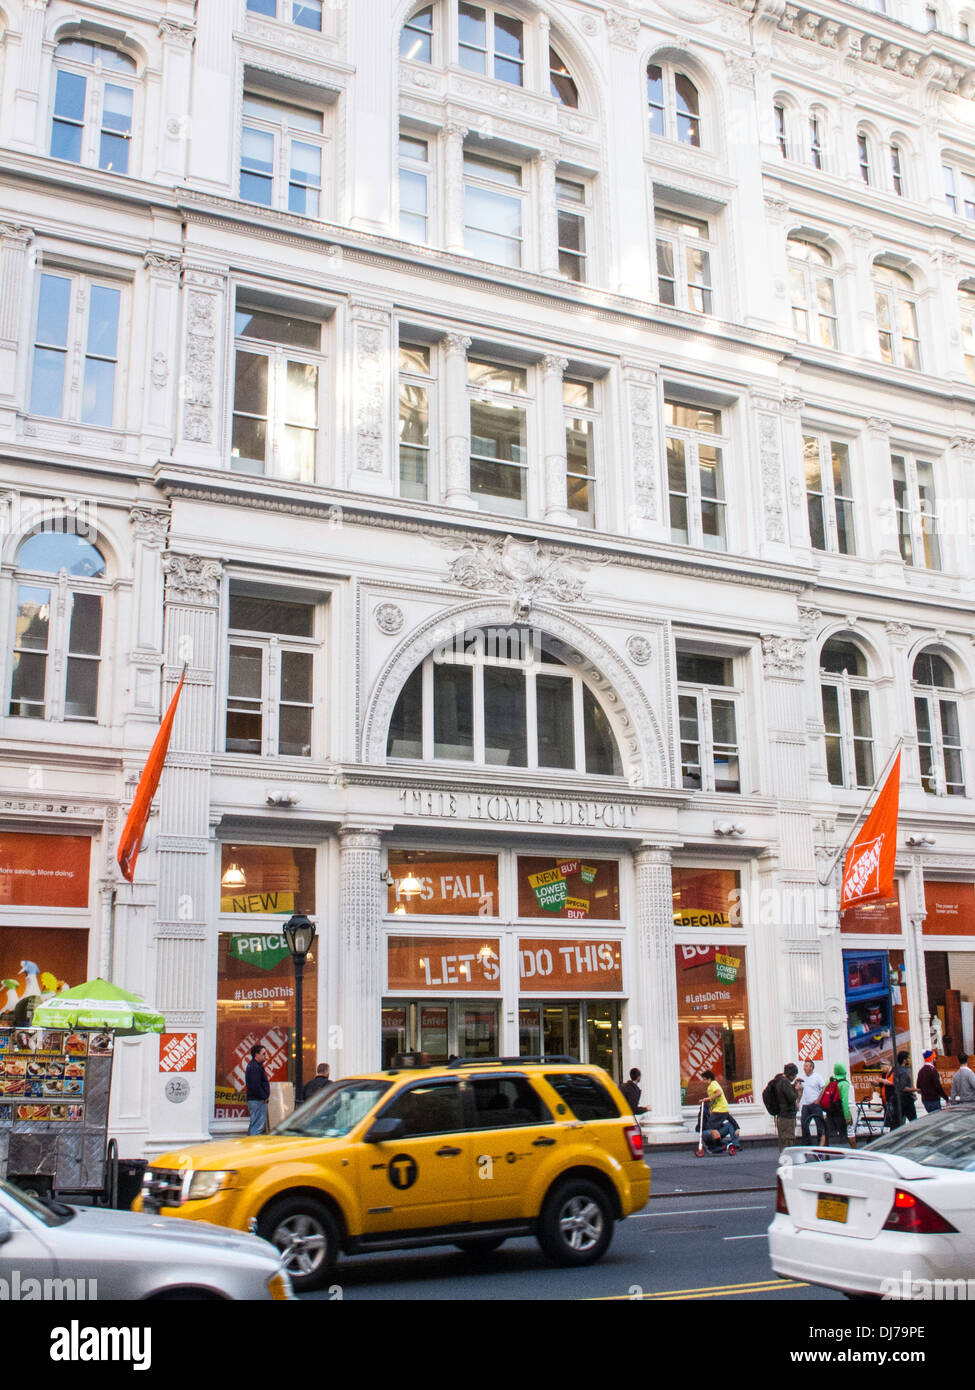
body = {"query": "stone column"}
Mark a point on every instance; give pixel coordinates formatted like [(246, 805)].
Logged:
[(204, 300), (150, 525), (772, 537), (30, 80), (370, 332), (453, 155), (174, 124), (865, 342), (15, 243), (216, 79), (553, 428), (160, 372), (458, 460), (362, 899), (774, 242), (646, 506), (793, 467), (187, 883), (881, 518), (548, 215), (942, 348), (655, 1048), (756, 303), (629, 263)]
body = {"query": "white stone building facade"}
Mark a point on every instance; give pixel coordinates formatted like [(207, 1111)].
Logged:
[(337, 339)]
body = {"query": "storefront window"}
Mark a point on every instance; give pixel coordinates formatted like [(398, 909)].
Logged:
[(570, 888), (267, 879), (449, 963), (712, 1020), (880, 917), (587, 1029), (706, 897), (44, 870), (40, 960), (877, 1018), (256, 1004), (463, 885), (436, 1030)]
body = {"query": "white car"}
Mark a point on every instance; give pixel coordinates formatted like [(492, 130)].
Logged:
[(53, 1251), (885, 1221)]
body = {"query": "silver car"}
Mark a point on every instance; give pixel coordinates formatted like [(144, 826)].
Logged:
[(53, 1251)]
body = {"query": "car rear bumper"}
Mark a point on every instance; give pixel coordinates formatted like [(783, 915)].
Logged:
[(884, 1267)]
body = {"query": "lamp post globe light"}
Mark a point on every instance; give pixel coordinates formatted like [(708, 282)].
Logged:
[(299, 933)]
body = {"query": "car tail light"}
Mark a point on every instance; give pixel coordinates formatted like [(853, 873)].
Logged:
[(909, 1214), (634, 1137), (780, 1204)]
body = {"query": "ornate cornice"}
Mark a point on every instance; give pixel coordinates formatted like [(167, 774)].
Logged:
[(784, 657), (191, 579)]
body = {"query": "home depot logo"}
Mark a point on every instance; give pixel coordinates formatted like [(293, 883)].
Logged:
[(864, 875)]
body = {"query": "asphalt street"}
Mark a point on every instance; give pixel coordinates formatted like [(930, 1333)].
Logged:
[(701, 1237)]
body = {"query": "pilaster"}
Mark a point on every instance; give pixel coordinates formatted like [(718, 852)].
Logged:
[(655, 1048), (458, 462), (553, 425), (371, 338), (361, 905)]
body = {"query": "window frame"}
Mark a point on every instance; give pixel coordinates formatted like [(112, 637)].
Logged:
[(418, 168), (492, 55), (581, 210), (76, 345), (812, 271), (691, 440), (704, 695), (279, 356), (293, 5), (831, 500), (897, 297), (681, 244), (910, 512), (504, 399), (591, 414), (671, 116), (481, 183), (284, 137), (61, 586), (272, 647), (97, 77), (934, 698), (845, 736), (428, 382), (956, 177)]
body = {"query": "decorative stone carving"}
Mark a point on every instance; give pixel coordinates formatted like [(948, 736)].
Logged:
[(624, 29), (589, 25), (771, 471), (174, 32), (201, 331), (150, 524), (741, 69), (640, 649), (167, 267), (389, 618), (370, 379), (897, 632), (643, 435), (159, 372), (809, 620), (525, 570), (191, 579), (784, 656)]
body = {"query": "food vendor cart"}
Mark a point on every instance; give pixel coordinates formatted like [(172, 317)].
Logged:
[(55, 1089)]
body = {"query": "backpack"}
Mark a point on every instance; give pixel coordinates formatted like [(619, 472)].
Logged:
[(770, 1097), (831, 1098)]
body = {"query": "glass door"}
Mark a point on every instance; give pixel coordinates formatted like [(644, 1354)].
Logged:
[(604, 1038)]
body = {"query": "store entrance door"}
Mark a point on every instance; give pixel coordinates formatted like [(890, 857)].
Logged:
[(589, 1029), (439, 1029)]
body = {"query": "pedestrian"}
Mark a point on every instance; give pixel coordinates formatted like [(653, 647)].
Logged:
[(718, 1108), (899, 1093), (963, 1082), (837, 1110), (319, 1081), (929, 1085), (810, 1111), (788, 1100), (631, 1092), (257, 1089)]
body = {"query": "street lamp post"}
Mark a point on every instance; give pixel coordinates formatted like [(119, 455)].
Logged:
[(299, 933)]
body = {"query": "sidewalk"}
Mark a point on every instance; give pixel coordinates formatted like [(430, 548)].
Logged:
[(678, 1172)]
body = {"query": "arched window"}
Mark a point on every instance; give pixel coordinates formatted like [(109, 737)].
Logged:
[(865, 157), (846, 714), (938, 723), (416, 38), (502, 697), (94, 91), (813, 293), (674, 104), (561, 82), (816, 138), (966, 313), (895, 299), (57, 628)]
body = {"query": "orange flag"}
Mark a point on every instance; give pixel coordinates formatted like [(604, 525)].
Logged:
[(868, 873), (135, 825)]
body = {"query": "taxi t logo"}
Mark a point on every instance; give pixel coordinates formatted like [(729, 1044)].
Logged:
[(403, 1171)]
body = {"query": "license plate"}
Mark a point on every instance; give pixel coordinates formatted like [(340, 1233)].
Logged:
[(832, 1208)]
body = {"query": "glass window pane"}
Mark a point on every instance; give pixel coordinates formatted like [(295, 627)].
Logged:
[(301, 394), (33, 618), (276, 328), (831, 708), (81, 689), (453, 711), (69, 96), (492, 212), (499, 431), (505, 726), (103, 314), (294, 731), (53, 307), (85, 634), (297, 454), (47, 382), (405, 737), (556, 724), (98, 394), (259, 614), (250, 383), (413, 192), (602, 754), (296, 676), (27, 685), (307, 14), (246, 665), (117, 109)]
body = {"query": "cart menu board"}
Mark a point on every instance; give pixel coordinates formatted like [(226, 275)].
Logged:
[(54, 1091)]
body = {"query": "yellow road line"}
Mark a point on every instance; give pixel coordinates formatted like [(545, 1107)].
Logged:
[(711, 1291)]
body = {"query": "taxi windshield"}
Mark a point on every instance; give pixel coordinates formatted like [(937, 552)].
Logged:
[(335, 1110)]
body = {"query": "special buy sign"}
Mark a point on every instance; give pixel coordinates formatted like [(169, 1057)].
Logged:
[(177, 1052)]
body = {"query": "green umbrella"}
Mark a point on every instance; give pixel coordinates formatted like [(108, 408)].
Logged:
[(97, 1004)]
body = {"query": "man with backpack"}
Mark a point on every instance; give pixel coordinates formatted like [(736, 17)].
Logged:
[(835, 1102), (781, 1099)]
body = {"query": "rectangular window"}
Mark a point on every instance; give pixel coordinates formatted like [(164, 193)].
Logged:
[(490, 44), (270, 687), (580, 422), (695, 469), (92, 118), (684, 251), (458, 885), (713, 1026), (276, 386), (69, 631), (415, 388), (572, 198), (780, 131), (76, 315), (414, 188), (708, 702), (307, 14), (568, 888), (896, 171), (281, 157), (499, 436), (493, 209), (829, 498), (863, 157), (815, 142), (916, 512)]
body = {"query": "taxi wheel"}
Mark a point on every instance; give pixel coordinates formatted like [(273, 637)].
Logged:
[(305, 1233), (480, 1245), (576, 1224)]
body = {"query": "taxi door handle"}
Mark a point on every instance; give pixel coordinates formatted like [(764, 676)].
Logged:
[(542, 1143), (448, 1152)]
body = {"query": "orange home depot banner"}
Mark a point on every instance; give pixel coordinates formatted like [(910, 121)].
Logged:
[(454, 964), (546, 964), (44, 870), (868, 873), (809, 1045), (950, 909), (177, 1052)]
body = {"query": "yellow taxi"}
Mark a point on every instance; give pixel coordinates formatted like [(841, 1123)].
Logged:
[(467, 1154)]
